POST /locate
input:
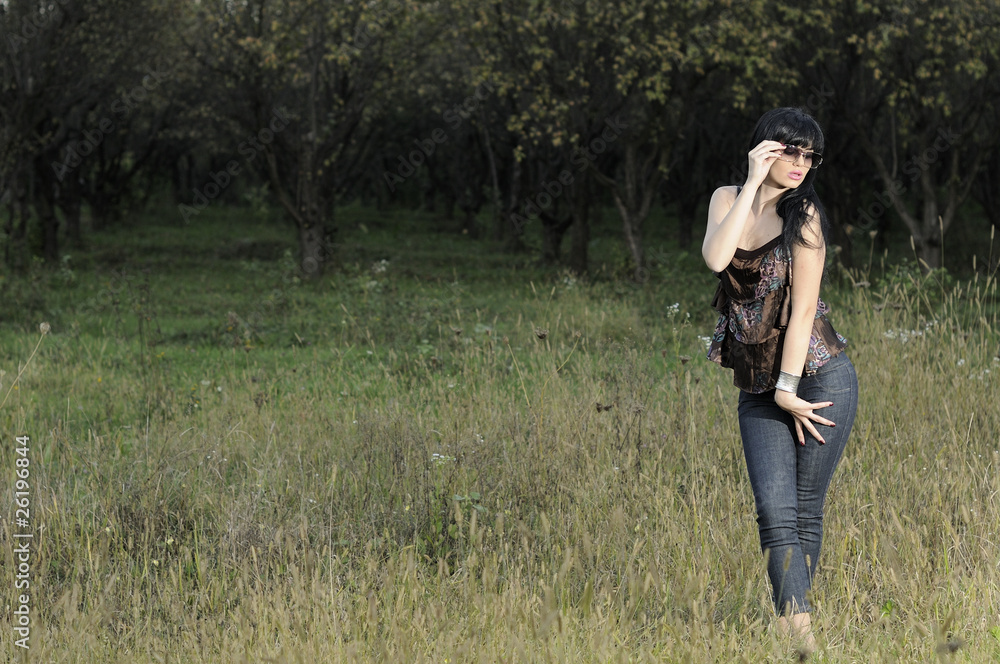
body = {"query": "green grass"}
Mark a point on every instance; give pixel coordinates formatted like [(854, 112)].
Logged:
[(229, 464)]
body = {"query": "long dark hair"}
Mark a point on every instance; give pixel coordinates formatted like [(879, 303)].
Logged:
[(793, 126)]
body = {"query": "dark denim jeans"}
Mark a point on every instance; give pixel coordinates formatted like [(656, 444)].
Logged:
[(790, 481)]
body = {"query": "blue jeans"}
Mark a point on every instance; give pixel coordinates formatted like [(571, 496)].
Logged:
[(790, 481)]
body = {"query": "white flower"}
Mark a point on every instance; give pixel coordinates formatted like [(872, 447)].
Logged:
[(441, 459)]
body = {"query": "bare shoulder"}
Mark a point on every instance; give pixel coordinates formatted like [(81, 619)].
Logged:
[(726, 194), (722, 200)]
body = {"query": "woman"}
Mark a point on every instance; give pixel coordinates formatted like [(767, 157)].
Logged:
[(766, 241)]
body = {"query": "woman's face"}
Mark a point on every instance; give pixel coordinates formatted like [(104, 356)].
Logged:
[(790, 169)]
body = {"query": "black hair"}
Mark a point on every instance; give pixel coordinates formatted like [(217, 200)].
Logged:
[(793, 126)]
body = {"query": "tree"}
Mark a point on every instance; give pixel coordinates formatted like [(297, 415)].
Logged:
[(612, 86), (302, 80), (77, 75), (918, 94)]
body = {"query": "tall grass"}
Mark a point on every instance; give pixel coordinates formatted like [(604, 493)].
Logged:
[(434, 459)]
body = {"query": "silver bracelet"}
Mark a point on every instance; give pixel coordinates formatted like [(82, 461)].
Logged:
[(787, 382)]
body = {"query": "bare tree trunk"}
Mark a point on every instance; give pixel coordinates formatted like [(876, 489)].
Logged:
[(50, 227), (687, 209), (69, 201), (507, 229), (929, 229), (497, 195), (469, 226), (71, 209), (986, 192), (580, 237), (553, 230), (311, 226), (311, 251), (634, 196), (306, 210), (16, 228)]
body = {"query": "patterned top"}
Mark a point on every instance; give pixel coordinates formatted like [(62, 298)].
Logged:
[(754, 301)]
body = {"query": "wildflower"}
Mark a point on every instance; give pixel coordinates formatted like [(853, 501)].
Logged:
[(44, 327), (441, 459)]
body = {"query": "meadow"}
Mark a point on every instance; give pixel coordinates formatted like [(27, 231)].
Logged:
[(442, 452)]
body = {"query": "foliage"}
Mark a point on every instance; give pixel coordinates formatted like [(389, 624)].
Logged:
[(505, 106)]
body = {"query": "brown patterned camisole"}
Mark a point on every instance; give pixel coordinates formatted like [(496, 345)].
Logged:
[(754, 302)]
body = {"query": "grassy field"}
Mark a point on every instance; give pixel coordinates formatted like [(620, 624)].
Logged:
[(440, 452)]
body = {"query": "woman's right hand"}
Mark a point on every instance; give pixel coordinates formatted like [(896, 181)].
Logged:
[(760, 160)]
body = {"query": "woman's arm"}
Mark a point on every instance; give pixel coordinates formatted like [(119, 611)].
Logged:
[(727, 218), (807, 273), (728, 213)]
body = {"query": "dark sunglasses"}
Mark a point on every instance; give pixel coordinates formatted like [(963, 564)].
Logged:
[(792, 153)]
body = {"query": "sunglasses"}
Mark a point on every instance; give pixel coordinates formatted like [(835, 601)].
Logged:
[(792, 153)]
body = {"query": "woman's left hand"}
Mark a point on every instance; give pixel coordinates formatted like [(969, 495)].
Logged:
[(804, 414)]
